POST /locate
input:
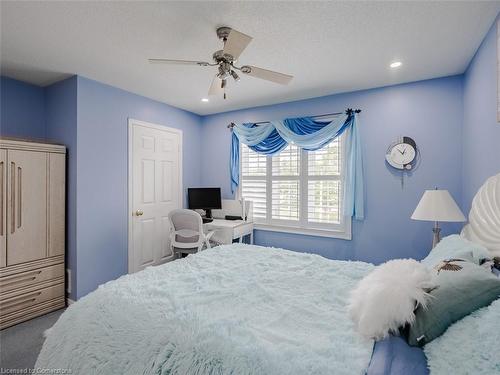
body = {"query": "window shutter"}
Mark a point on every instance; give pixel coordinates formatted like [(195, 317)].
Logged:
[(323, 186), (285, 184), (287, 162), (255, 191), (252, 163), (253, 180), (296, 189), (326, 161), (323, 201)]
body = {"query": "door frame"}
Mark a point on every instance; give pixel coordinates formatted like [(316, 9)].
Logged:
[(131, 123)]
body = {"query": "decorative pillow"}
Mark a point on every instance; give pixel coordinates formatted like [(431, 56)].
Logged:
[(462, 287), (456, 247), (386, 298), (496, 266)]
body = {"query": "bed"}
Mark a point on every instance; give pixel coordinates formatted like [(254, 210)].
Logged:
[(393, 356), (243, 309), (234, 309)]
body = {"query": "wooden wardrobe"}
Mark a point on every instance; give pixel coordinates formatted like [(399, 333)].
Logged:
[(32, 220)]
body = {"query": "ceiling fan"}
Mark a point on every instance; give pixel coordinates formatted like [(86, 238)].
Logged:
[(234, 44)]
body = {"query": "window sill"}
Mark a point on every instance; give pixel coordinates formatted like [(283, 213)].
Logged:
[(344, 234)]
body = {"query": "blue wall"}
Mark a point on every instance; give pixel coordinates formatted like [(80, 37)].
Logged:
[(452, 119), (22, 109), (428, 111), (91, 119), (481, 131), (102, 200), (61, 127)]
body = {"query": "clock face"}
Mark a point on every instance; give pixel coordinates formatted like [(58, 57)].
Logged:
[(401, 155)]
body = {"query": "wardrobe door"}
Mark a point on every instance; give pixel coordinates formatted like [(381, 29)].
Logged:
[(57, 195), (3, 207), (27, 206)]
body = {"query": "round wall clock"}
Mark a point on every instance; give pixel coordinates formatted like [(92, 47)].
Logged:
[(402, 153)]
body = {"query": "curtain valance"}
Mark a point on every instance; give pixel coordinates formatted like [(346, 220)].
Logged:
[(310, 134)]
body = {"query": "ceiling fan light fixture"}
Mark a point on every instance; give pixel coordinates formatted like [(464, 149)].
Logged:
[(235, 76)]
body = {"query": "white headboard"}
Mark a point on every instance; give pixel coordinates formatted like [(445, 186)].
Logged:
[(484, 217)]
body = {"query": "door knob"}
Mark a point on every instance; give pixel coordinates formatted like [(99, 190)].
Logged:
[(139, 213)]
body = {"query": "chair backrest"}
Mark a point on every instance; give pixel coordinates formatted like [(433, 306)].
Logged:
[(187, 225)]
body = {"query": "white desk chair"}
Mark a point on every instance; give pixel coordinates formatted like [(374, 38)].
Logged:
[(186, 232)]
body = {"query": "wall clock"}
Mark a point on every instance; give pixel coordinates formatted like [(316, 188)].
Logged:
[(402, 154)]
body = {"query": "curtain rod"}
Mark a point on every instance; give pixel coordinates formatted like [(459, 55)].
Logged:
[(347, 112)]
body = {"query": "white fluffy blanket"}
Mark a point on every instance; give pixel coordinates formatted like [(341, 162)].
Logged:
[(386, 298), (235, 309), (470, 346)]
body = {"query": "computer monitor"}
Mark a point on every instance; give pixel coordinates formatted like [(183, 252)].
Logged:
[(205, 199)]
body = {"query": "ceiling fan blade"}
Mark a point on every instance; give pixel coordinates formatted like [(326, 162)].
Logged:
[(236, 42), (268, 75), (216, 87), (178, 62)]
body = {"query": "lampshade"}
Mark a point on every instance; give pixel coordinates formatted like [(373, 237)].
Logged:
[(437, 205)]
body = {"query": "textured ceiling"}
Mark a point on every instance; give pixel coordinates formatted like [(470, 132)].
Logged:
[(329, 47)]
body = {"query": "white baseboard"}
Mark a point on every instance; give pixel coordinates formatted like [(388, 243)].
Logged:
[(69, 301)]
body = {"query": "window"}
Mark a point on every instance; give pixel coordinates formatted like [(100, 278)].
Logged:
[(297, 191)]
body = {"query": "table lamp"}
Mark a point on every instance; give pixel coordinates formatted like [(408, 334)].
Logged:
[(437, 205)]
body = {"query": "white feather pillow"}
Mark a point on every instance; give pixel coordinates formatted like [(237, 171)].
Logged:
[(386, 298)]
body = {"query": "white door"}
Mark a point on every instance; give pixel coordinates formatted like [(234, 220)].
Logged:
[(155, 188)]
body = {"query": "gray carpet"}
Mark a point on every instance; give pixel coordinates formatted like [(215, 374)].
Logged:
[(20, 344)]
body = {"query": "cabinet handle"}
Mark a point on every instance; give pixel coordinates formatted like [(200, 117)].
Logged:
[(12, 197), (19, 196)]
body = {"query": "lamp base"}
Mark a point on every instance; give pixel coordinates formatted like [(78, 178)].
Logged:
[(437, 235)]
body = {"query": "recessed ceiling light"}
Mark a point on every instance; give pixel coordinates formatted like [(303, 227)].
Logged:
[(396, 64), (204, 100)]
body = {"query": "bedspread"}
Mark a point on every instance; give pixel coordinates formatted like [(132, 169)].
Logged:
[(235, 309)]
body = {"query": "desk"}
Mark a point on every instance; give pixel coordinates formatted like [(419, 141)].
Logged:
[(228, 230)]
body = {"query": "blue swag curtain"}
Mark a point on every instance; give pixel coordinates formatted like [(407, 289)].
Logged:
[(310, 134)]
